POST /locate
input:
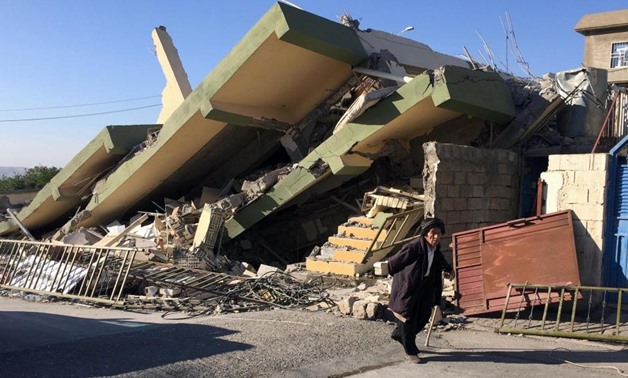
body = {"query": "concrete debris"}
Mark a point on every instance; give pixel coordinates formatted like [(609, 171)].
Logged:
[(82, 236), (281, 167)]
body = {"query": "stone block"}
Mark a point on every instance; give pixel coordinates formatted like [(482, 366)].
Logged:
[(587, 212), (597, 196), (380, 268), (446, 203), (460, 203), (478, 179), (374, 310), (453, 217), (453, 191), (345, 305), (466, 216), (595, 228), (460, 178), (477, 191), (359, 309), (506, 180), (575, 162), (444, 177), (555, 183), (494, 203), (504, 169), (600, 162), (576, 195), (553, 163), (475, 204), (590, 179)]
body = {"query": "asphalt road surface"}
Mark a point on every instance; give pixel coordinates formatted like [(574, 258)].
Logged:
[(63, 340)]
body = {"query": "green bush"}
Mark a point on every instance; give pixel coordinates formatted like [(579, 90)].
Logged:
[(33, 178)]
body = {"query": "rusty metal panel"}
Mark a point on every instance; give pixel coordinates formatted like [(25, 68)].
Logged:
[(539, 250)]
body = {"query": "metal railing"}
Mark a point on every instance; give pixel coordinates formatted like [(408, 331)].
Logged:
[(395, 227), (96, 274), (595, 319)]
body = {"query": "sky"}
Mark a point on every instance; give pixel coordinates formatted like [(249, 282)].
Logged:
[(63, 59)]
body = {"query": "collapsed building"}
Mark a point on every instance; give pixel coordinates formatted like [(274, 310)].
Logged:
[(318, 142)]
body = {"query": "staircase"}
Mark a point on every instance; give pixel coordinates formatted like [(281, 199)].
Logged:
[(361, 242)]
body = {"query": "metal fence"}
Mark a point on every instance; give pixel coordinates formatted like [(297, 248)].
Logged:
[(76, 272), (597, 313)]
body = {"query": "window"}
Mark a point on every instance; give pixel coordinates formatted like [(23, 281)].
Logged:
[(619, 55)]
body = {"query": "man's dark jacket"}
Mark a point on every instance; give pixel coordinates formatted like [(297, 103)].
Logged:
[(408, 267)]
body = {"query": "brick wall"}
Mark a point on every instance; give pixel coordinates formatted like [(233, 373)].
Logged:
[(469, 187), (578, 182)]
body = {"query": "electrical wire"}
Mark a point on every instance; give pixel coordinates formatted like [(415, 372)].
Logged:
[(77, 115), (620, 372), (79, 105)]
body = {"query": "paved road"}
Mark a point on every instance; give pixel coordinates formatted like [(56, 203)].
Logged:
[(56, 340)]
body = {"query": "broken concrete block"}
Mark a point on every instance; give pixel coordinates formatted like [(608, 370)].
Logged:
[(209, 227), (115, 228), (266, 270), (169, 291), (345, 305), (142, 243), (82, 237), (380, 268), (157, 256), (359, 309), (249, 271), (151, 291)]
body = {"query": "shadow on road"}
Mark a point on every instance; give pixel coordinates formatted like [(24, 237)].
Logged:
[(38, 344), (556, 356)]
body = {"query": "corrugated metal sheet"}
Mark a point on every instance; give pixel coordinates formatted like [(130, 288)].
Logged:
[(538, 250)]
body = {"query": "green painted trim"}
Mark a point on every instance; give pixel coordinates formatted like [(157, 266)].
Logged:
[(294, 183), (321, 35), (210, 112), (340, 168), (475, 93)]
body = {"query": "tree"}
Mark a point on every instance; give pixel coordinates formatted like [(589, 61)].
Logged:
[(33, 178)]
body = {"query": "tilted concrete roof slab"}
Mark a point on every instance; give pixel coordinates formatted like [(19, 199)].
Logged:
[(65, 190), (283, 67), (414, 109)]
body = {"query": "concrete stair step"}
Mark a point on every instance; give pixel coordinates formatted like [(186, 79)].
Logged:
[(348, 256), (360, 244), (361, 232), (362, 220), (335, 267)]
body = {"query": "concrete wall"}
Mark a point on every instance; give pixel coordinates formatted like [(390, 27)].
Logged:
[(597, 53), (578, 182), (469, 187)]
